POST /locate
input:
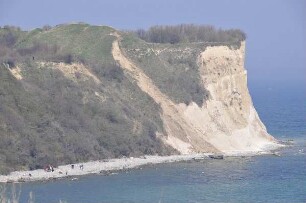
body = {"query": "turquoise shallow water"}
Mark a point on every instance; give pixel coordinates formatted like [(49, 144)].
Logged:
[(251, 179)]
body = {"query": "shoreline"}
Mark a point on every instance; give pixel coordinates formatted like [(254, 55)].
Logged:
[(107, 166)]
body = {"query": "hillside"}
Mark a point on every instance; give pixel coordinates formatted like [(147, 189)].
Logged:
[(79, 92)]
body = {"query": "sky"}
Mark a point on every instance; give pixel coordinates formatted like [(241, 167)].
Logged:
[(276, 29)]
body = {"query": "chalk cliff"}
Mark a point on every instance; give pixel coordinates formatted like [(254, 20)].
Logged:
[(227, 121)]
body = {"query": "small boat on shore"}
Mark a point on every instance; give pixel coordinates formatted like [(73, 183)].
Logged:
[(216, 156), (198, 158)]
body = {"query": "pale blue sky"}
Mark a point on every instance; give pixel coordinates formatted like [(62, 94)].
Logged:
[(276, 29)]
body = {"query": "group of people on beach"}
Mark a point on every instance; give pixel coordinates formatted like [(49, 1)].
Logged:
[(81, 166), (49, 168)]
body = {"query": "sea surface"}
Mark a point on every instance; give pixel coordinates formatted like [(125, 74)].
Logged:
[(250, 179)]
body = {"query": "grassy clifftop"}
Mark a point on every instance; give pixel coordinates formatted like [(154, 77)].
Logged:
[(63, 98), (172, 67)]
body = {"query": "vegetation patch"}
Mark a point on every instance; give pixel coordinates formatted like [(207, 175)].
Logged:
[(189, 33), (172, 67)]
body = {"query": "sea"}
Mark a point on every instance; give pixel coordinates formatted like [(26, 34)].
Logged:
[(264, 178)]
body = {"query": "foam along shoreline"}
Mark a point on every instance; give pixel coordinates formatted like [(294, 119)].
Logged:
[(112, 165)]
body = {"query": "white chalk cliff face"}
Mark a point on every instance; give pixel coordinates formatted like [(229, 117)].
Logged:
[(227, 122)]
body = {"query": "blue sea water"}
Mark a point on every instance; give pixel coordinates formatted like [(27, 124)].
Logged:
[(250, 179)]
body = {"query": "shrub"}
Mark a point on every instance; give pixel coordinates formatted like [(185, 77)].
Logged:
[(47, 27), (68, 58), (11, 62), (8, 39)]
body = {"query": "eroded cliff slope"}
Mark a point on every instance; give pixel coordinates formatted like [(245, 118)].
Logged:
[(226, 121)]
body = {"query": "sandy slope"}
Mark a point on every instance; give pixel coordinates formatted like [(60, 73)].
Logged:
[(180, 133)]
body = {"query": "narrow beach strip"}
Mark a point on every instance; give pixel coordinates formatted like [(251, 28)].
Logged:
[(108, 165), (94, 167)]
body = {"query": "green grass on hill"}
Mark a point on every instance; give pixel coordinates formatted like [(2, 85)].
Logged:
[(48, 118)]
